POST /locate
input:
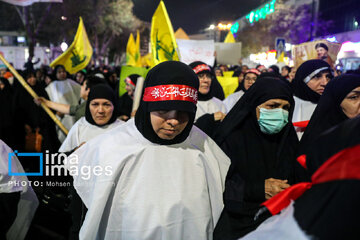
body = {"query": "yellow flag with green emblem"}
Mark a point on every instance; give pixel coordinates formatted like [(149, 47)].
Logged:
[(229, 38), (131, 51), (163, 43), (137, 53), (78, 55)]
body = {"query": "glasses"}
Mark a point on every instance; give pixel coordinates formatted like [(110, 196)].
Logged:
[(250, 79)]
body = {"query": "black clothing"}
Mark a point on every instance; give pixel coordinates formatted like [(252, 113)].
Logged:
[(328, 112), (255, 157), (6, 114), (331, 210), (167, 73), (101, 91), (307, 70)]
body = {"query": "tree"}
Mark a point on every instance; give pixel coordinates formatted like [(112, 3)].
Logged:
[(292, 23), (51, 23)]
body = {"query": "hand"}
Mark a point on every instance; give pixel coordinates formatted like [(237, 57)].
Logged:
[(219, 116), (40, 100), (61, 115), (123, 118), (274, 186)]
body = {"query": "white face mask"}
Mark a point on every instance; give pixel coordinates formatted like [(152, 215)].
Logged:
[(272, 121)]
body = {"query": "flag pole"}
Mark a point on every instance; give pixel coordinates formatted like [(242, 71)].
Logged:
[(34, 95)]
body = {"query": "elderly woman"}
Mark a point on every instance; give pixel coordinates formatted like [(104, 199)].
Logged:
[(166, 177), (258, 136), (100, 116)]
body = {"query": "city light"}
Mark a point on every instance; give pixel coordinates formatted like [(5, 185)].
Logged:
[(63, 46), (224, 26), (212, 27), (261, 13)]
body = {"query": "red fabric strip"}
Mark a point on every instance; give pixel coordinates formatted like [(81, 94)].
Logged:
[(302, 124), (302, 160), (200, 68), (128, 80), (343, 165), (170, 92)]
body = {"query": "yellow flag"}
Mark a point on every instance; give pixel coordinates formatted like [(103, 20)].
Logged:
[(131, 51), (281, 57), (229, 38), (137, 53), (78, 55), (163, 43)]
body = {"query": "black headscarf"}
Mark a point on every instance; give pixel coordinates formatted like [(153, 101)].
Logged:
[(331, 210), (54, 77), (328, 112), (305, 72), (255, 156), (241, 85), (101, 91), (215, 87), (167, 73)]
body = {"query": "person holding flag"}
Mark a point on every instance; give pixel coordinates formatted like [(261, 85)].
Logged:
[(74, 59)]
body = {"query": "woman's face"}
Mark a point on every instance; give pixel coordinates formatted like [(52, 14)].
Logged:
[(272, 104), (101, 110), (284, 72), (351, 103), (31, 80), (292, 73), (205, 83), (2, 85), (168, 124), (249, 80), (61, 73)]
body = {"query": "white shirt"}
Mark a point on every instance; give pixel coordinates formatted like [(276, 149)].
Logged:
[(83, 131), (212, 105), (232, 99), (152, 191), (280, 227), (66, 92)]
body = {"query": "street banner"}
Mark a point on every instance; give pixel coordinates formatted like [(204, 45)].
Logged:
[(196, 50), (78, 55), (28, 2), (228, 53), (162, 38), (324, 50)]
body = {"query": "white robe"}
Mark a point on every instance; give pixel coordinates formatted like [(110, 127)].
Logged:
[(232, 99), (28, 201), (66, 92), (212, 105), (83, 131), (280, 227), (302, 112), (155, 191)]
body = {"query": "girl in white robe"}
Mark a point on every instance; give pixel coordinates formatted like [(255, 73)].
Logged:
[(153, 183)]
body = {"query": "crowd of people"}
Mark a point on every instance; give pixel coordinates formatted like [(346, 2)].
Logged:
[(277, 159)]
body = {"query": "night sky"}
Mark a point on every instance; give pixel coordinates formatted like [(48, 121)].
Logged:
[(194, 15)]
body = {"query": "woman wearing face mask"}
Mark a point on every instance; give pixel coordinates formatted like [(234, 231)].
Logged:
[(340, 101), (258, 136), (167, 176), (100, 116)]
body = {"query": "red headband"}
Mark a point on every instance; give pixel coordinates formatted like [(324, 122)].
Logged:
[(170, 92), (253, 70), (201, 67)]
